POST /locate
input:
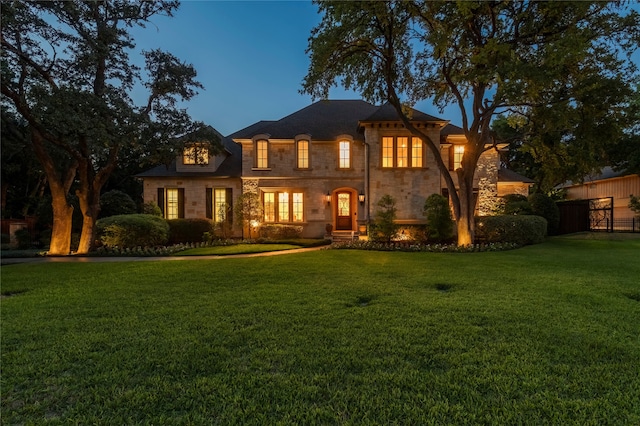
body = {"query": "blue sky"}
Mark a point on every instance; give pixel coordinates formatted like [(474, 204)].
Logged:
[(250, 57)]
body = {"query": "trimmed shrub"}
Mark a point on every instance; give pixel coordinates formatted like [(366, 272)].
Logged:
[(516, 204), (279, 232), (439, 221), (113, 203), (151, 208), (518, 229), (132, 230), (189, 230), (543, 205)]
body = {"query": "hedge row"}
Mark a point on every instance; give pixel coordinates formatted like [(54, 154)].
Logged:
[(132, 230), (518, 229)]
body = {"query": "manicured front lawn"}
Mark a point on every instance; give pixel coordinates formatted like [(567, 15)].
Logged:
[(547, 334)]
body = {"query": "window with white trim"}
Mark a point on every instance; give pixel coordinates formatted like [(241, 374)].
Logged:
[(302, 154), (262, 154), (344, 155), (283, 206)]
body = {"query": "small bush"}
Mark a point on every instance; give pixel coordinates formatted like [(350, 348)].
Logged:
[(384, 227), (189, 230), (522, 230), (279, 232), (543, 205), (151, 208), (113, 203), (132, 230), (439, 221)]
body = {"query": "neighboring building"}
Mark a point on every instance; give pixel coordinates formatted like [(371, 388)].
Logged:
[(328, 163), (605, 184)]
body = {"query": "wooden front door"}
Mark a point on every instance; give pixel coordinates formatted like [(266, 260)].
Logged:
[(343, 217)]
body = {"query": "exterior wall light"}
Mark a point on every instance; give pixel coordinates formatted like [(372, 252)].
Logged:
[(361, 198), (328, 197)]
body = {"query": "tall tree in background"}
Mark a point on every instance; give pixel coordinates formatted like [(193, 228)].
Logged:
[(485, 57), (592, 126), (66, 71)]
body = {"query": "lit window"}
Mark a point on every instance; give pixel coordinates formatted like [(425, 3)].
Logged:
[(297, 207), (303, 155), (262, 154), (416, 152), (283, 207), (195, 154), (402, 152), (387, 152), (269, 206), (219, 204), (173, 207), (458, 152), (345, 155)]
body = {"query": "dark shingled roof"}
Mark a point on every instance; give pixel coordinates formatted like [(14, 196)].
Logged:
[(451, 129), (387, 112), (326, 120), (506, 175), (230, 167), (323, 120)]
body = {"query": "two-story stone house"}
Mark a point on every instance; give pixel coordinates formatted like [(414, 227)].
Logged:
[(328, 163)]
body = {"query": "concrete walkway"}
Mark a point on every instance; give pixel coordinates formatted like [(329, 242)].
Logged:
[(93, 259)]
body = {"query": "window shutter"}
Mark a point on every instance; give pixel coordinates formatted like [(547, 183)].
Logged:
[(161, 200), (229, 199), (209, 203), (181, 203)]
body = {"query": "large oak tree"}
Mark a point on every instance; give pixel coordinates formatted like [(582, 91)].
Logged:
[(485, 57), (66, 70)]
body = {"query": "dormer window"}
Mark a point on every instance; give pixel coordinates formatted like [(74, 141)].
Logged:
[(195, 154)]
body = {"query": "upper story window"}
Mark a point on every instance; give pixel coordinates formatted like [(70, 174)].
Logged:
[(344, 155), (302, 154), (195, 154), (262, 154), (400, 151), (455, 157)]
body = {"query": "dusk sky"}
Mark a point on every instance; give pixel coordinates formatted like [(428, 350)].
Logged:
[(250, 56)]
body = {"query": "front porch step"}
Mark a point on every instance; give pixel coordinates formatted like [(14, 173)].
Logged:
[(340, 236)]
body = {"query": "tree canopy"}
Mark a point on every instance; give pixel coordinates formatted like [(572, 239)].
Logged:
[(485, 57), (67, 71)]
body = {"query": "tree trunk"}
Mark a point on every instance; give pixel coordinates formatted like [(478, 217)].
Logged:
[(90, 210), (59, 185), (466, 220), (62, 222)]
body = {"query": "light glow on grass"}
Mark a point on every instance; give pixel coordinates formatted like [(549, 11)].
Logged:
[(546, 334)]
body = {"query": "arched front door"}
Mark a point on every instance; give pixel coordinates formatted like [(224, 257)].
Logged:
[(343, 213)]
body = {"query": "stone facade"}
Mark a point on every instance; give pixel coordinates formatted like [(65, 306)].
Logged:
[(326, 192)]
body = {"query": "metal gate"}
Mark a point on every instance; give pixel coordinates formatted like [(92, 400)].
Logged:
[(586, 215), (601, 214)]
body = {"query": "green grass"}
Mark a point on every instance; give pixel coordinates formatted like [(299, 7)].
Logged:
[(547, 334), (236, 249)]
